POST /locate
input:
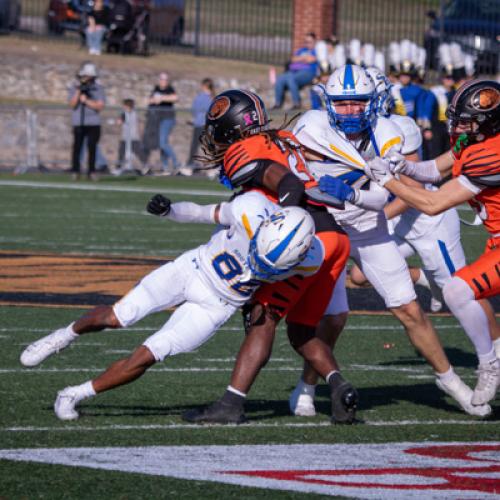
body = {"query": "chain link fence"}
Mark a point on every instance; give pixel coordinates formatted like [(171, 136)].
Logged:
[(41, 137)]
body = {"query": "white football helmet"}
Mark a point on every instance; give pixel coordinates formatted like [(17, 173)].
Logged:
[(350, 82), (385, 99), (280, 242)]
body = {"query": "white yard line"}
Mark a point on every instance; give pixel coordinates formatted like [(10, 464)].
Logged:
[(118, 427), (118, 189), (399, 369)]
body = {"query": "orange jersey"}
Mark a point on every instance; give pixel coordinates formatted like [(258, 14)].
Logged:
[(285, 151), (480, 164)]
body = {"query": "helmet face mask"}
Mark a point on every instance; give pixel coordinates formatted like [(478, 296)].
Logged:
[(280, 243), (351, 83)]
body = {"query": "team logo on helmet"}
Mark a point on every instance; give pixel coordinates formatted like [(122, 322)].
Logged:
[(485, 99), (219, 107)]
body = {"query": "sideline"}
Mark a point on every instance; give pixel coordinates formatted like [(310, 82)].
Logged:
[(118, 189)]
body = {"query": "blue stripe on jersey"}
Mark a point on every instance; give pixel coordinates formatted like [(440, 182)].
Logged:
[(446, 257), (348, 78), (351, 177), (373, 141)]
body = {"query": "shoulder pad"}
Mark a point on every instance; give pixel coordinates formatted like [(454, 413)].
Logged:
[(241, 158), (412, 136), (313, 131), (388, 136), (481, 165)]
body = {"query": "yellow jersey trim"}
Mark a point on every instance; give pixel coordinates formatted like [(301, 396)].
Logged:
[(389, 144), (345, 155), (246, 225)]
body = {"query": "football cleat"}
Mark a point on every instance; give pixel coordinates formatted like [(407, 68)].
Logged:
[(462, 394), (65, 403), (40, 350), (217, 413), (344, 399), (488, 382), (301, 403)]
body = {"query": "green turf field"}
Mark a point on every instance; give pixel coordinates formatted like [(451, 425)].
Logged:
[(398, 399)]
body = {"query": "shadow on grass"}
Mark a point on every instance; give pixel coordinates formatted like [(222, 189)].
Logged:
[(370, 398)]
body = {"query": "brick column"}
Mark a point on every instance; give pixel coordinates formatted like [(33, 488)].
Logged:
[(318, 16)]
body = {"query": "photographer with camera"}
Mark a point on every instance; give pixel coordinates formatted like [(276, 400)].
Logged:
[(87, 100)]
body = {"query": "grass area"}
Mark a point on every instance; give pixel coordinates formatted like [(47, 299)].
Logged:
[(398, 399)]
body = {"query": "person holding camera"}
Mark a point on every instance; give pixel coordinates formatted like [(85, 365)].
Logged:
[(87, 99)]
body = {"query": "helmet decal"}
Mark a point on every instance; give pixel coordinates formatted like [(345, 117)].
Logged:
[(219, 107), (348, 79), (485, 99), (276, 252)]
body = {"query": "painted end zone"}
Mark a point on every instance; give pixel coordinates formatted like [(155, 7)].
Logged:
[(389, 471)]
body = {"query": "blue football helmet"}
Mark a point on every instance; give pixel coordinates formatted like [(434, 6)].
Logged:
[(351, 83)]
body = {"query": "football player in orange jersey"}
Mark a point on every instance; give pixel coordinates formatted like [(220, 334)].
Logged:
[(250, 155), (474, 126)]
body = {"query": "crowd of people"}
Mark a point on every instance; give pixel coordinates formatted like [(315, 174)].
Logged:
[(87, 98)]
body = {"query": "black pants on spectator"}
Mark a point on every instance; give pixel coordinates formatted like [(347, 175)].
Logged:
[(195, 143), (93, 133)]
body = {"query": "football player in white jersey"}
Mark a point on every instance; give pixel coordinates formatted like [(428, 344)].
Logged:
[(436, 239), (260, 243), (338, 142)]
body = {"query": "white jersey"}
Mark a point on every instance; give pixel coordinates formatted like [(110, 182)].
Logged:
[(223, 260), (412, 224), (346, 160)]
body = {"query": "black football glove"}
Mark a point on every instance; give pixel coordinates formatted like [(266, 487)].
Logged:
[(159, 205)]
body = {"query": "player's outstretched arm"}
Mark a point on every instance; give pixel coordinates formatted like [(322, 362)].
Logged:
[(451, 194), (183, 211), (423, 171)]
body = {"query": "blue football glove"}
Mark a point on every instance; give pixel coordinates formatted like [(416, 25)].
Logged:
[(335, 187)]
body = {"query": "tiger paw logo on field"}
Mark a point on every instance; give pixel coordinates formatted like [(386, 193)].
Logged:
[(219, 107)]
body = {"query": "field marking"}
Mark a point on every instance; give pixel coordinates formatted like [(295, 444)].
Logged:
[(145, 427), (193, 369), (227, 328), (118, 189)]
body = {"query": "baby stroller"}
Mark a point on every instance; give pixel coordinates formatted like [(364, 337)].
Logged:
[(128, 29)]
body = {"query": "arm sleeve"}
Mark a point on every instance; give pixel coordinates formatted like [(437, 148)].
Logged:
[(290, 190), (373, 199), (423, 171), (186, 211)]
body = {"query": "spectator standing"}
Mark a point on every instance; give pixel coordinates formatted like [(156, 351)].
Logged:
[(301, 72), (199, 108), (98, 22), (129, 142), (160, 122), (87, 99)]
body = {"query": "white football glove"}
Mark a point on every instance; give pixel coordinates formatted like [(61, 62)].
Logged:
[(378, 170), (397, 162)]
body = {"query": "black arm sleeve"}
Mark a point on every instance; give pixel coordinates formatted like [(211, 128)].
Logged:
[(290, 191)]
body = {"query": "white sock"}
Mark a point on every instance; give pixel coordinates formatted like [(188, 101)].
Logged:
[(496, 345), (486, 359), (230, 388), (423, 281), (448, 376), (306, 388), (71, 333), (327, 378), (84, 391), (460, 299)]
